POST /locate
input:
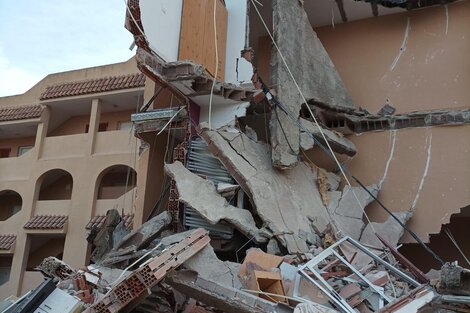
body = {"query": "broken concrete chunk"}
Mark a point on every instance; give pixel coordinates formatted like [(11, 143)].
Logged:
[(337, 142), (127, 292), (209, 267), (306, 142), (310, 238), (313, 70), (347, 212), (224, 187), (454, 280), (201, 195), (119, 233), (273, 247), (142, 236), (103, 240), (225, 299), (390, 230), (333, 181), (387, 109), (251, 133), (286, 201)]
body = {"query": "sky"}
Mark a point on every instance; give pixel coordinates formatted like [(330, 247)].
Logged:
[(40, 37)]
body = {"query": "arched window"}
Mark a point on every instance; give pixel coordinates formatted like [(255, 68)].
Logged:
[(55, 184), (10, 204), (115, 181)]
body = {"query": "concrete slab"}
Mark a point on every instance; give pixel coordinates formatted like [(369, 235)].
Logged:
[(313, 70)]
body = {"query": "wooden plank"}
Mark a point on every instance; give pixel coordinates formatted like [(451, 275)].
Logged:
[(192, 30), (197, 34)]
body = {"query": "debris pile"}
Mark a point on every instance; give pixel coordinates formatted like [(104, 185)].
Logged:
[(152, 269)]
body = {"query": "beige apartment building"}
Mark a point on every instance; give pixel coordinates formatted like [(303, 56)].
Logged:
[(68, 154)]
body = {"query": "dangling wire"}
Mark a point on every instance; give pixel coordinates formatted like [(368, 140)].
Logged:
[(216, 65)]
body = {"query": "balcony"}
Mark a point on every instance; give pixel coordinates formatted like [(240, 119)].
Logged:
[(125, 201), (31, 280), (68, 146), (53, 207), (114, 142), (17, 168)]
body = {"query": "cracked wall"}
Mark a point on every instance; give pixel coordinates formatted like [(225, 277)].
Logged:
[(438, 173), (364, 52), (433, 184)]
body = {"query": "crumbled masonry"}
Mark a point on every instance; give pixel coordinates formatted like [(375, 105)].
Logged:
[(182, 272), (336, 140), (454, 280)]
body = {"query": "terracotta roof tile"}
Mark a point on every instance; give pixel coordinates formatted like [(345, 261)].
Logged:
[(20, 112), (94, 85), (7, 241), (98, 221), (46, 222)]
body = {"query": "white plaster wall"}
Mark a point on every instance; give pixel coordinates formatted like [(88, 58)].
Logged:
[(162, 25), (223, 114), (236, 28)]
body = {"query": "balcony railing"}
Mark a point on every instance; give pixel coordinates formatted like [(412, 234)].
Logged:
[(114, 142), (16, 168), (30, 281), (52, 207), (65, 146), (125, 201)]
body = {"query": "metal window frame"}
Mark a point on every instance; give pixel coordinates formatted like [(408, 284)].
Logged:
[(326, 288)]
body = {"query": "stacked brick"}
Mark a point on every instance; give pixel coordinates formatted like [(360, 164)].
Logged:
[(179, 154), (149, 275)]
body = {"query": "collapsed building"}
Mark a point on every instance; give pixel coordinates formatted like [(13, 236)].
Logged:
[(320, 145)]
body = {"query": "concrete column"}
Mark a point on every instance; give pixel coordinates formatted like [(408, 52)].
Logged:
[(41, 132), (83, 195), (94, 124), (20, 259), (142, 171)]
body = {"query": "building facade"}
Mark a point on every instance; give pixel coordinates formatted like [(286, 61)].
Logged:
[(68, 156)]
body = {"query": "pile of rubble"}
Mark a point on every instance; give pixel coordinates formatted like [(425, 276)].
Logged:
[(152, 269), (298, 239)]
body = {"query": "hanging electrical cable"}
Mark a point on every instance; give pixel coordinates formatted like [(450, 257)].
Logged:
[(216, 65)]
